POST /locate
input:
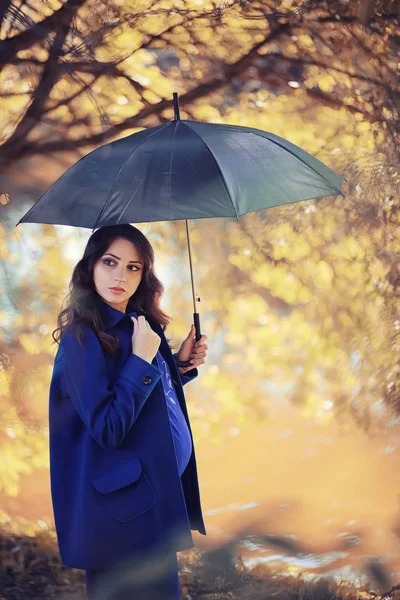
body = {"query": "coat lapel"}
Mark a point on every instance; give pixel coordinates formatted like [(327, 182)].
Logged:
[(111, 316)]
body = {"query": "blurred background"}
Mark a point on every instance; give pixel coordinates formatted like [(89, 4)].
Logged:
[(296, 413)]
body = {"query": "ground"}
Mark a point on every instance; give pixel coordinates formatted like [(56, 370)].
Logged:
[(30, 569)]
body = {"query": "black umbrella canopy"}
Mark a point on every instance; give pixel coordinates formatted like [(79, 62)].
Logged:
[(183, 170)]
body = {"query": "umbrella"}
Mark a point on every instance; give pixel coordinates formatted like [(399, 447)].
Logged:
[(183, 170)]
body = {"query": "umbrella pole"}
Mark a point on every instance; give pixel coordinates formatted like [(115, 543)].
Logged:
[(196, 315)]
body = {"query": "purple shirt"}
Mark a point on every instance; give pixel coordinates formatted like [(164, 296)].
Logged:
[(179, 428)]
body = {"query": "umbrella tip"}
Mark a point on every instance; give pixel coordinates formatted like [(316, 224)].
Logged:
[(176, 107)]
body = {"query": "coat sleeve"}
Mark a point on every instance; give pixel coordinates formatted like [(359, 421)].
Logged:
[(188, 376), (109, 412)]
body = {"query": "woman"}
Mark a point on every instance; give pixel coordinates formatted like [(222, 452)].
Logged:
[(122, 464)]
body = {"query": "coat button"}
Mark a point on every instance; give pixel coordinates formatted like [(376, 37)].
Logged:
[(147, 379)]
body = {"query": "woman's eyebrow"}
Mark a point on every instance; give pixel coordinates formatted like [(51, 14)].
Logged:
[(131, 261)]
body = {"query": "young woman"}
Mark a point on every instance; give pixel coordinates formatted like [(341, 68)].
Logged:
[(122, 463)]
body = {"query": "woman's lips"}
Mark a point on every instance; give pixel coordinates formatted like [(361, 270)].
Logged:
[(116, 291)]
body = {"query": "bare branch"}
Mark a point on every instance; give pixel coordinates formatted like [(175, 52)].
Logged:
[(324, 65), (49, 76), (326, 22), (5, 6), (138, 120), (21, 41)]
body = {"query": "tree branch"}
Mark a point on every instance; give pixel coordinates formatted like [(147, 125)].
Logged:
[(334, 102), (34, 112), (4, 7), (138, 120), (310, 61), (21, 41)]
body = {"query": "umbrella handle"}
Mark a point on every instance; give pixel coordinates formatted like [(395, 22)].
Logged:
[(196, 318)]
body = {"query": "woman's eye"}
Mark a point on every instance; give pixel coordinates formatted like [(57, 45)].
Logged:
[(107, 260)]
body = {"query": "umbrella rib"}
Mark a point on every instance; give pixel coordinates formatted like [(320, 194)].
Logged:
[(217, 165), (255, 132), (301, 160), (130, 200), (171, 158), (120, 172)]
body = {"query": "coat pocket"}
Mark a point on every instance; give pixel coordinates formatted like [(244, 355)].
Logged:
[(125, 490)]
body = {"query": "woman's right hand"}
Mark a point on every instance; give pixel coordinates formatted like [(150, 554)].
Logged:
[(145, 341)]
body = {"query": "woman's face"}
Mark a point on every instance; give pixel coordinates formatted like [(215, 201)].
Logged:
[(120, 266)]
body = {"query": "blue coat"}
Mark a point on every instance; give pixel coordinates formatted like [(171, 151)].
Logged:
[(115, 484)]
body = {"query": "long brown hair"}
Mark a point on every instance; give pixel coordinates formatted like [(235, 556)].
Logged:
[(83, 301)]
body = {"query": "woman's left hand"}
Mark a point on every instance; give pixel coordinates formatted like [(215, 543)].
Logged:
[(191, 350)]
